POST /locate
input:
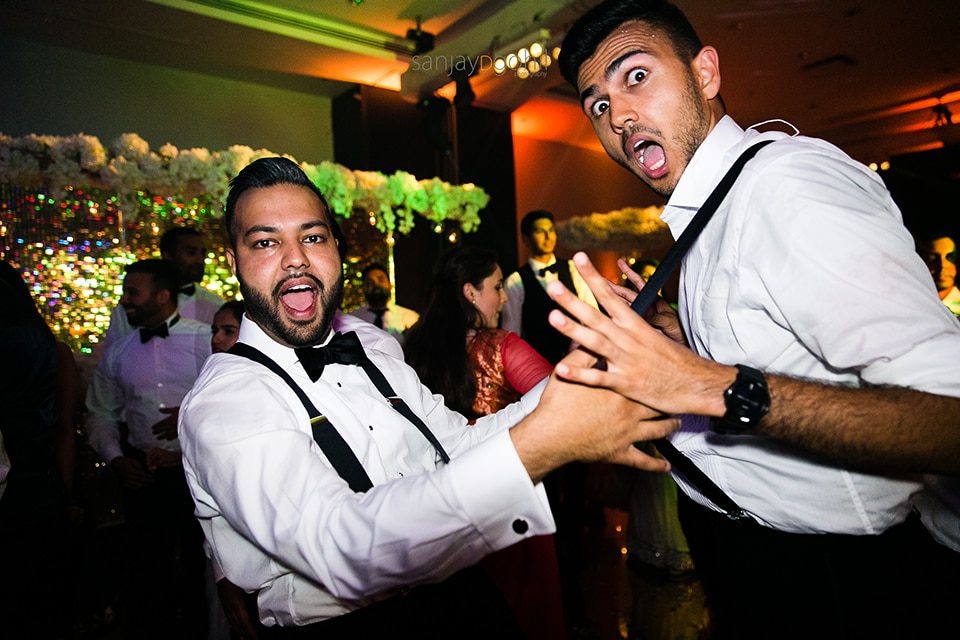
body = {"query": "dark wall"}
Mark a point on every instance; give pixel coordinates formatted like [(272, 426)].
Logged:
[(376, 130), (926, 187)]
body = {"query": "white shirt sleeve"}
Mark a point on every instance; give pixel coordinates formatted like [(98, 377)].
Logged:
[(104, 409), (250, 458), (512, 317)]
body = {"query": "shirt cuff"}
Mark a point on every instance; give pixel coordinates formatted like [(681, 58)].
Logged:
[(497, 494)]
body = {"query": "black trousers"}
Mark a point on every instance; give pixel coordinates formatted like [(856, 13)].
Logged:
[(763, 583), (467, 605)]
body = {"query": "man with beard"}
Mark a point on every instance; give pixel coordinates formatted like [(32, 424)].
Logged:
[(186, 249), (381, 311), (331, 525), (139, 383), (808, 388)]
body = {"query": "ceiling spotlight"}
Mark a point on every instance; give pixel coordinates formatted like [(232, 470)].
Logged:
[(512, 61), (523, 73), (546, 60), (556, 52), (533, 66), (523, 55), (536, 49), (499, 66)]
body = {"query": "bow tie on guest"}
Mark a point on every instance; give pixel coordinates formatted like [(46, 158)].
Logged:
[(343, 348), (555, 268), (378, 317), (157, 332), (189, 290)]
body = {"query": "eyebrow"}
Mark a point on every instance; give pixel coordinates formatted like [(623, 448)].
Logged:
[(265, 228), (611, 69)]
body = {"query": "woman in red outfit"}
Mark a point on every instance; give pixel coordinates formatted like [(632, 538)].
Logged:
[(458, 352)]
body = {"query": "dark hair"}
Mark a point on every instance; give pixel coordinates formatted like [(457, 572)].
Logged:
[(164, 273), (15, 300), (526, 224), (235, 307), (436, 347), (373, 266), (595, 25), (269, 172), (171, 238)]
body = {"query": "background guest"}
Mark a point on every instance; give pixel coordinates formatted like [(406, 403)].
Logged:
[(528, 304), (458, 352), (226, 326), (185, 248), (381, 311), (34, 602), (939, 250), (140, 382)]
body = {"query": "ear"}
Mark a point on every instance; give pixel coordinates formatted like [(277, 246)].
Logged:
[(232, 261), (163, 296), (469, 292), (706, 68)]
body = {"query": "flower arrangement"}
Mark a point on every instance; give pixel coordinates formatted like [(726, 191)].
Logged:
[(630, 230), (130, 166)]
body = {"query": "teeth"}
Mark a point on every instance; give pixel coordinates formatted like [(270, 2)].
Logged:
[(299, 287)]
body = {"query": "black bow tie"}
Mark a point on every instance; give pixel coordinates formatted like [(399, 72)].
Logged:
[(158, 332), (343, 348), (189, 290), (555, 267)]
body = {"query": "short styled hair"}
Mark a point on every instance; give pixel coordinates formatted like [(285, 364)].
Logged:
[(594, 26), (526, 224), (164, 273), (269, 172), (171, 238)]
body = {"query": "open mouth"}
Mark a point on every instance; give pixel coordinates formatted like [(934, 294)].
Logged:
[(299, 298), (651, 158)]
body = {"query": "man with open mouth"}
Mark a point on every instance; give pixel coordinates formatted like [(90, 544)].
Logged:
[(814, 402), (331, 485)]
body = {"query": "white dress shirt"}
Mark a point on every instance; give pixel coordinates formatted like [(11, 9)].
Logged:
[(201, 306), (512, 317), (805, 270), (134, 380), (396, 319), (279, 518)]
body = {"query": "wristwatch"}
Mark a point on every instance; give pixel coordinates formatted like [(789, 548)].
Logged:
[(747, 401)]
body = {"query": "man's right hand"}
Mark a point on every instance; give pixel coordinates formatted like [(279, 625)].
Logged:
[(578, 422), (132, 474)]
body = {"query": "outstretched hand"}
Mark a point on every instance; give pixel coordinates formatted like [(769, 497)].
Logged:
[(643, 362), (579, 422)]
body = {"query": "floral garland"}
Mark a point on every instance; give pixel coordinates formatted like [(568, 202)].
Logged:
[(130, 166), (629, 231)]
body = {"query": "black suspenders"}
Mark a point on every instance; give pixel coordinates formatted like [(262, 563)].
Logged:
[(334, 447)]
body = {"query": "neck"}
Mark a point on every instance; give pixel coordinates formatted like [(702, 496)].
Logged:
[(542, 257)]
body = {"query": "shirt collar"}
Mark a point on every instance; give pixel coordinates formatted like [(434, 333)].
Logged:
[(536, 264), (702, 173)]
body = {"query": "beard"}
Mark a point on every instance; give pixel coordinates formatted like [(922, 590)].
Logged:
[(377, 297), (266, 312)]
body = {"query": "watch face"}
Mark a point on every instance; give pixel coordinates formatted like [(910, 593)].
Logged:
[(747, 401)]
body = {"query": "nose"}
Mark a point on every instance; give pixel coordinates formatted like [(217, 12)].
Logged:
[(294, 256), (621, 112)]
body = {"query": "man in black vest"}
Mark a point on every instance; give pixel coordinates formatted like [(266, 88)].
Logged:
[(528, 305)]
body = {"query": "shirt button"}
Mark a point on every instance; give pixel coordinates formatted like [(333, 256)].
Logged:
[(520, 526)]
